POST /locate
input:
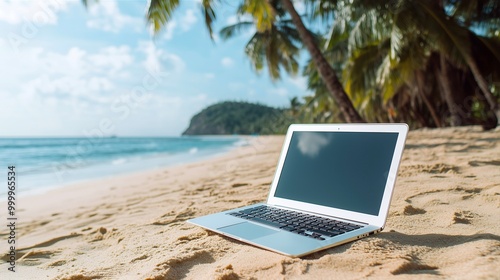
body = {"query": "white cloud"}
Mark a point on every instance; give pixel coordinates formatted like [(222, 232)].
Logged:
[(69, 93), (106, 15), (184, 23), (100, 84), (200, 97), (299, 81), (233, 19), (111, 61), (188, 20), (159, 60), (278, 91), (234, 86), (112, 57), (35, 12), (74, 77), (169, 30), (216, 37), (209, 75), (227, 62)]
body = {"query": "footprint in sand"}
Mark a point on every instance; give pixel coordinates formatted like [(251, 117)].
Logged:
[(481, 163), (225, 273), (410, 210), (464, 193), (438, 168), (178, 267), (412, 265), (190, 237), (463, 217), (173, 216), (237, 185)]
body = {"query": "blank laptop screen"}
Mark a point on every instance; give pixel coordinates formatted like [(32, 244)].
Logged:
[(345, 170)]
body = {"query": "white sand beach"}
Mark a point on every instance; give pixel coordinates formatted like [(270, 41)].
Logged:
[(443, 220)]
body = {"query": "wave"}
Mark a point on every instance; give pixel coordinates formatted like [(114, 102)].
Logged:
[(119, 161), (241, 143)]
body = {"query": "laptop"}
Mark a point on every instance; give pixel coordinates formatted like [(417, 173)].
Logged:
[(333, 184)]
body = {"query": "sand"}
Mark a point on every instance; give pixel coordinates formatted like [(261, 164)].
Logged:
[(444, 220)]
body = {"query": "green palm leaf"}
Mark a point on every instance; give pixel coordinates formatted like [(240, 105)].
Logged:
[(262, 12), (160, 12), (209, 15)]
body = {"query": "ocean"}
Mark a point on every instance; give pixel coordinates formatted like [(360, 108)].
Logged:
[(45, 163)]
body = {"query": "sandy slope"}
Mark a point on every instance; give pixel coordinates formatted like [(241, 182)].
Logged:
[(443, 222)]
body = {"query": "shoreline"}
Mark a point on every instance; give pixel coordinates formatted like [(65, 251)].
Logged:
[(442, 220), (44, 199), (63, 177)]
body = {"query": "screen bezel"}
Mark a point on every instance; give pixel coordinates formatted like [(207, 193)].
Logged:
[(377, 220)]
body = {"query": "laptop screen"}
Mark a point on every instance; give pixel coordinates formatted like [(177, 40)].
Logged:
[(345, 170)]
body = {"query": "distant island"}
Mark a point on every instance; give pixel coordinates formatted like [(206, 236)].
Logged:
[(227, 118)]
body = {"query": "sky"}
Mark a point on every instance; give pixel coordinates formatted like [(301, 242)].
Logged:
[(70, 71)]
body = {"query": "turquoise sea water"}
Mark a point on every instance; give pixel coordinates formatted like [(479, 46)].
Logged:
[(43, 163)]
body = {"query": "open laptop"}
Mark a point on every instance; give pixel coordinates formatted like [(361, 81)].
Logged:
[(333, 184)]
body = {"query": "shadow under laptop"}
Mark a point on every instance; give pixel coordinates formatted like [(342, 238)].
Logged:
[(433, 240), (399, 253)]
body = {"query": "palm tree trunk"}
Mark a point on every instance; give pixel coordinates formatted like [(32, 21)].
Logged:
[(324, 68), (444, 80), (421, 91), (483, 85), (469, 59)]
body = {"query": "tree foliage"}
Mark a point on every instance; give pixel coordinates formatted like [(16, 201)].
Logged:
[(428, 63), (425, 62), (239, 118)]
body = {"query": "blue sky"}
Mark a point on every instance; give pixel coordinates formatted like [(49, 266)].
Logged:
[(68, 71)]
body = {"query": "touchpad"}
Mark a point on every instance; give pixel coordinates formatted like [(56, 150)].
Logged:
[(247, 230)]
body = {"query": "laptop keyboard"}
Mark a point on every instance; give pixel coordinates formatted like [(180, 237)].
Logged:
[(297, 222)]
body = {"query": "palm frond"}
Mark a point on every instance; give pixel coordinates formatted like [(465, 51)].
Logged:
[(452, 39), (262, 12), (254, 49), (86, 3), (231, 30), (160, 13), (209, 15)]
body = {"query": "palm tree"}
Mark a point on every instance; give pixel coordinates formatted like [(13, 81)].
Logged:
[(295, 106), (160, 12), (263, 12), (277, 44), (390, 46), (377, 60), (451, 36), (326, 71)]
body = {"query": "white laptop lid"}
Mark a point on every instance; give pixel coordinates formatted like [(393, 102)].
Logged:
[(340, 170)]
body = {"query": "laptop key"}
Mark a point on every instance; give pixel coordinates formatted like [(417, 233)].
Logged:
[(298, 223), (287, 228), (247, 211), (322, 232), (317, 236)]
